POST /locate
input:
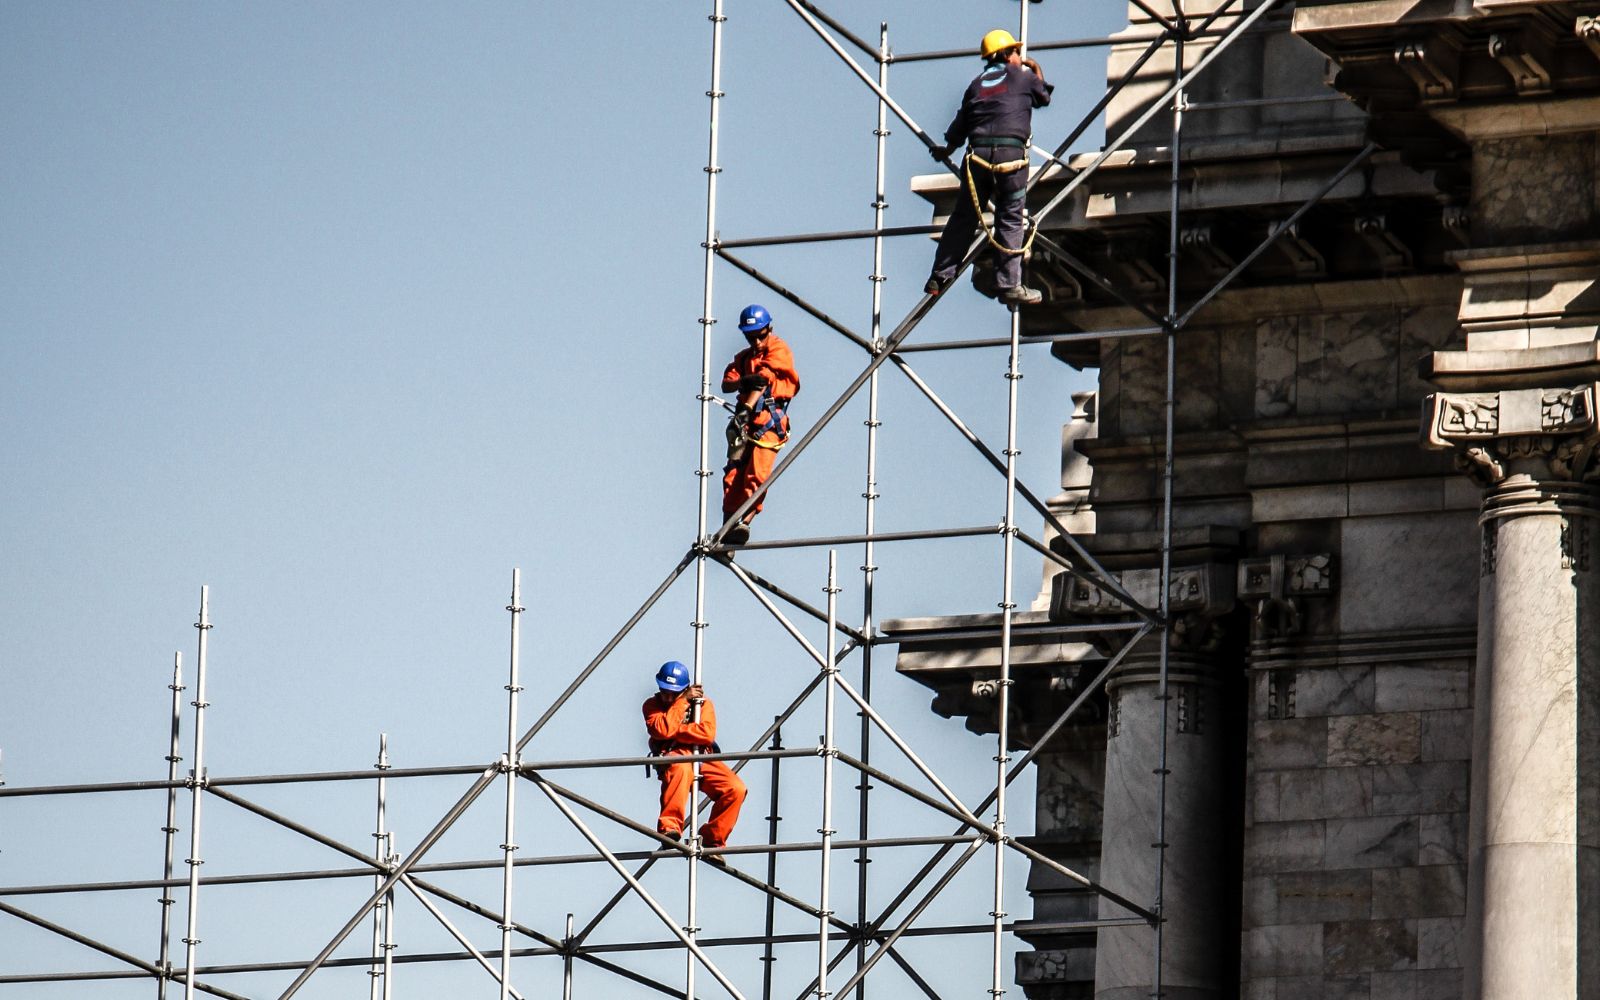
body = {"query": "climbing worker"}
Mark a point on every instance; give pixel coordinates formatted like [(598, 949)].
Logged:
[(995, 121), (763, 375), (680, 719)]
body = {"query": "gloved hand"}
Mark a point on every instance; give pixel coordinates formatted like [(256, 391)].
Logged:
[(751, 382), (939, 152), (741, 415)]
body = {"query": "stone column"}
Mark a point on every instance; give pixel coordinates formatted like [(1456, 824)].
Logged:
[(1197, 946), (1533, 894)]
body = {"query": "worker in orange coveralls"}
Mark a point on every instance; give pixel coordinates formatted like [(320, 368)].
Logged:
[(764, 376), (667, 716)]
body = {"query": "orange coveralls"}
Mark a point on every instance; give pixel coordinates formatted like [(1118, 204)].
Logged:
[(773, 361), (671, 734)]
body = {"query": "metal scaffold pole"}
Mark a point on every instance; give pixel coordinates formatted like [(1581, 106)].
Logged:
[(702, 526), (513, 760), (379, 973), (1165, 597), (566, 962), (830, 672), (869, 567), (1007, 608), (170, 829), (773, 819), (196, 795)]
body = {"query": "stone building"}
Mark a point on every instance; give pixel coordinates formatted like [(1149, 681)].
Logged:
[(1382, 737)]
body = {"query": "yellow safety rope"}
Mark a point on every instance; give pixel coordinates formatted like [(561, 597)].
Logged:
[(1009, 166)]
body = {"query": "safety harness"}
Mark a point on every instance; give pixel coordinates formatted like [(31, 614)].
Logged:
[(1010, 166), (672, 748), (778, 413)]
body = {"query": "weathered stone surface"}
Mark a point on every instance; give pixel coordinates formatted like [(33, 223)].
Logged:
[(1282, 796), (1347, 362), (1379, 842), (1374, 739), (1439, 942), (1434, 891), (1279, 847), (1447, 735), (1436, 787), (1309, 897), (1414, 687), (1289, 743), (1443, 838), (1334, 691), (1277, 339), (1369, 945), (1380, 557), (1533, 188), (1284, 950), (1436, 984)]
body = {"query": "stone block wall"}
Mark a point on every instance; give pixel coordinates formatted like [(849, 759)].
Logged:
[(1356, 825)]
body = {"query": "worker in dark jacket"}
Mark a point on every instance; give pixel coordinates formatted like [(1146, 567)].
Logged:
[(680, 719), (764, 376), (995, 122)]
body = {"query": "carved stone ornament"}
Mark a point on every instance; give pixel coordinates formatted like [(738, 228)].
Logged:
[(1274, 585), (1488, 431), (1206, 589)]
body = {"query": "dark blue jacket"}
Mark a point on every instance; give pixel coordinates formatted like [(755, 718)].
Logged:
[(999, 102)]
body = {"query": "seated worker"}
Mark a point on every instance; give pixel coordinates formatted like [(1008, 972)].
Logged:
[(995, 121), (763, 374), (680, 719)]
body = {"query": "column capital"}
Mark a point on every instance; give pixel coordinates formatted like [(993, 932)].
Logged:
[(1543, 434)]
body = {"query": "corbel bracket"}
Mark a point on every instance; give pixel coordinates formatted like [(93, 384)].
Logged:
[(1196, 242), (1392, 254), (1306, 259), (1527, 56), (1432, 66)]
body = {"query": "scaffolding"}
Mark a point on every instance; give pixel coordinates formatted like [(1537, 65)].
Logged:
[(873, 933)]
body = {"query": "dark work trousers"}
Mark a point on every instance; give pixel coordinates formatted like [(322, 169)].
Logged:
[(1009, 192)]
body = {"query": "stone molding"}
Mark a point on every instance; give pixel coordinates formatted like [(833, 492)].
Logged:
[(1546, 433)]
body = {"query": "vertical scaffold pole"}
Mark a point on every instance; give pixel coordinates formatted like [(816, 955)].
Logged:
[(170, 830), (767, 958), (512, 759), (1008, 606), (830, 750), (1162, 693), (702, 530), (388, 917), (380, 853), (566, 963), (869, 566), (197, 780)]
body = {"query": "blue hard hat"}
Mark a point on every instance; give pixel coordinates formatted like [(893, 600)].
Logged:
[(673, 676), (754, 318)]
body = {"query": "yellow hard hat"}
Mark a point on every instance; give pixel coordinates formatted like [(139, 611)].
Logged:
[(997, 40)]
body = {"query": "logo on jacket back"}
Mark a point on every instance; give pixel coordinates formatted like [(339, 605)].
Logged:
[(992, 82)]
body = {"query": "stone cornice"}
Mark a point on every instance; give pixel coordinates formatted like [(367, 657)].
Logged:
[(1422, 67), (1491, 371)]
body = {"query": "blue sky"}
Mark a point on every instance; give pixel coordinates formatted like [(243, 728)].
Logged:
[(345, 311)]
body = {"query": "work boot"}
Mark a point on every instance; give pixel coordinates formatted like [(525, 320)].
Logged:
[(935, 285), (737, 535), (1020, 295), (715, 859)]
